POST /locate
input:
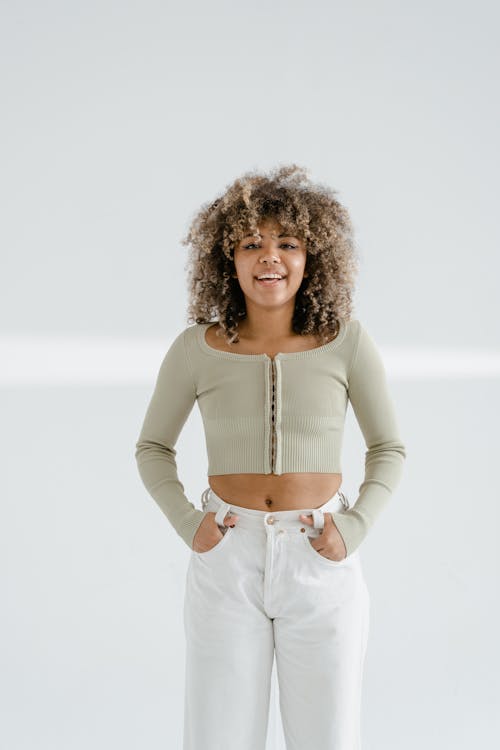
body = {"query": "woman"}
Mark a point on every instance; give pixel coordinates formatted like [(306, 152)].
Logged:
[(274, 566)]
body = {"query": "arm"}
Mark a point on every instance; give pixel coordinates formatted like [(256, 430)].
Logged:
[(171, 403), (385, 455)]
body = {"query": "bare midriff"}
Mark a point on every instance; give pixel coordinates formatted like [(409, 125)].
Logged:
[(276, 492)]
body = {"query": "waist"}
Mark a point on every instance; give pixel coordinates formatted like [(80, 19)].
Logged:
[(276, 491), (249, 518)]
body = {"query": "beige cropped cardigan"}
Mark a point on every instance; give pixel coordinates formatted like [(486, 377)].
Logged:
[(272, 415)]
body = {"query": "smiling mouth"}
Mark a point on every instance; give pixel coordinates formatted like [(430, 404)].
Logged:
[(270, 282)]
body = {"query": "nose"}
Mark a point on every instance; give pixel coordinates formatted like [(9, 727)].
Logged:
[(268, 252)]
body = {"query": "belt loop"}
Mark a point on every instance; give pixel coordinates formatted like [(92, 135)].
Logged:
[(344, 500), (204, 498), (222, 512), (318, 518)]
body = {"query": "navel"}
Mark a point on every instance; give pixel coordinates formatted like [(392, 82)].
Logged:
[(268, 502)]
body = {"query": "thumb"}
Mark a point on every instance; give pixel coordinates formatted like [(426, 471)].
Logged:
[(230, 520)]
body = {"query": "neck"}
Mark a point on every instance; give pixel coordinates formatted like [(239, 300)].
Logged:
[(267, 325)]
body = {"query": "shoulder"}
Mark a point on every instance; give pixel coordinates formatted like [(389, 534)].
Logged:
[(366, 358), (362, 352), (358, 332), (193, 338), (349, 335), (189, 333), (180, 341), (352, 327)]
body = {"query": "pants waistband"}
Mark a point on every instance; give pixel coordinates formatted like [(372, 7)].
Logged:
[(249, 518)]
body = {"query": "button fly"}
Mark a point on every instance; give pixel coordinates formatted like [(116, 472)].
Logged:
[(270, 519)]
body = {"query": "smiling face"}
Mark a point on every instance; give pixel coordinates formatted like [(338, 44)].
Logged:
[(270, 252)]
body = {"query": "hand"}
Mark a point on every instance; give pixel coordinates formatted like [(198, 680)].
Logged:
[(208, 534), (329, 543)]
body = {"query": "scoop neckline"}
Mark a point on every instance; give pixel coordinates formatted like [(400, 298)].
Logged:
[(304, 354)]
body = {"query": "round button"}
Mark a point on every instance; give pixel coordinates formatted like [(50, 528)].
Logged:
[(302, 529), (270, 519)]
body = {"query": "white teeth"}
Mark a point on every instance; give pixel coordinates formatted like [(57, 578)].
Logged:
[(270, 276)]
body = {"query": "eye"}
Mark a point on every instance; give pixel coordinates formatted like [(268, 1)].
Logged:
[(285, 244)]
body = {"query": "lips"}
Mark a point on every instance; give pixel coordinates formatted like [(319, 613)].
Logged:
[(269, 282)]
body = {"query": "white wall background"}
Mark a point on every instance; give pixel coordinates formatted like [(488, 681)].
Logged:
[(118, 120)]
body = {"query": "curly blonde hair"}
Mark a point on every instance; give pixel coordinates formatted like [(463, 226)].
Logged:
[(304, 210)]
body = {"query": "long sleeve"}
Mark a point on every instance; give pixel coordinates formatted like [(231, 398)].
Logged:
[(171, 403), (374, 410)]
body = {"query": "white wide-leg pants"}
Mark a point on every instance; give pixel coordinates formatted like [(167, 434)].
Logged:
[(264, 590)]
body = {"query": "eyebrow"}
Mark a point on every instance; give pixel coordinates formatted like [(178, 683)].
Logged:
[(263, 235)]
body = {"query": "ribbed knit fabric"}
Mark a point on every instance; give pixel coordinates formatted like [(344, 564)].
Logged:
[(234, 392)]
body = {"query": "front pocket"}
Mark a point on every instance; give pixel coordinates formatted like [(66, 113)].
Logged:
[(220, 543), (317, 556)]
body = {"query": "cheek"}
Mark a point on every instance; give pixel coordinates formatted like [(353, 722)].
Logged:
[(298, 267), (299, 261), (244, 273), (240, 259)]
